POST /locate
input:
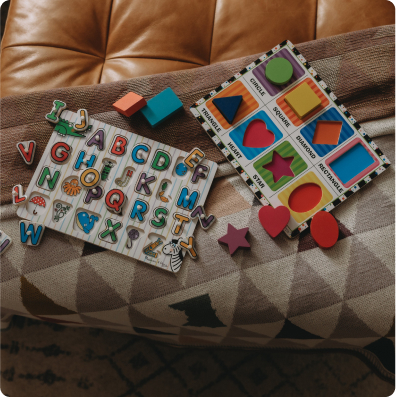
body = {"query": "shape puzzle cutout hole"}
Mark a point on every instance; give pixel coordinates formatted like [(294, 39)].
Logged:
[(126, 177), (180, 171), (153, 248), (351, 163), (37, 204), (257, 135), (133, 234), (86, 221), (164, 190), (279, 166), (107, 166), (327, 132), (71, 186), (305, 197), (61, 210)]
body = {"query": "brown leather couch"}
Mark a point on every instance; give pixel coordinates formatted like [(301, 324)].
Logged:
[(53, 43)]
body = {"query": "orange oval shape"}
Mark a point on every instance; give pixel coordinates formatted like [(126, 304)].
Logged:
[(305, 197), (324, 229)]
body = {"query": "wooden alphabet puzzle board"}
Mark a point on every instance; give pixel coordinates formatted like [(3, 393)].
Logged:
[(294, 144), (117, 190)]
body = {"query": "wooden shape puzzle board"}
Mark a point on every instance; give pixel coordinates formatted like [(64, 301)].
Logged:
[(313, 166), (145, 223)]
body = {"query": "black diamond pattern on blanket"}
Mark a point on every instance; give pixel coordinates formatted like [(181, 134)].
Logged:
[(199, 312), (90, 249), (292, 331)]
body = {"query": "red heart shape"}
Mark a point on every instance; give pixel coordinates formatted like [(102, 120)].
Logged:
[(257, 135), (274, 220)]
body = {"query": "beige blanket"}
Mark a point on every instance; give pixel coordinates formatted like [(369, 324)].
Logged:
[(280, 294)]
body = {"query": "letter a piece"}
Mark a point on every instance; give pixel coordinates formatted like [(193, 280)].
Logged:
[(27, 149), (31, 232), (129, 104), (189, 246)]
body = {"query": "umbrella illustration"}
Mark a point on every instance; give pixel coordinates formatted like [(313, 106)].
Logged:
[(39, 201)]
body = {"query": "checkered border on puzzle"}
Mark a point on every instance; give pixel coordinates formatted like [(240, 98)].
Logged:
[(323, 85)]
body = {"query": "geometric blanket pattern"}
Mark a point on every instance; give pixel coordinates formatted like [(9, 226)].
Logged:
[(281, 293)]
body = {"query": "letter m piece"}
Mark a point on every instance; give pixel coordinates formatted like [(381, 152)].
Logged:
[(187, 200)]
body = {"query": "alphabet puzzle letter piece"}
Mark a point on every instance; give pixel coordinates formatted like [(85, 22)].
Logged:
[(205, 221), (27, 149), (5, 242), (31, 232), (18, 198), (189, 246)]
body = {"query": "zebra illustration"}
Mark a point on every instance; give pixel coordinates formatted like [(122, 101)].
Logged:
[(174, 250)]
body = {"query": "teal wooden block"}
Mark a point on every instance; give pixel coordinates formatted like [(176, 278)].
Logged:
[(161, 107)]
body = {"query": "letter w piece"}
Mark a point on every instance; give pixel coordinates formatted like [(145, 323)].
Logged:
[(31, 232)]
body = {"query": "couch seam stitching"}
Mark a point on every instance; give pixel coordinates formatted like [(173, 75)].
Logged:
[(51, 46), (107, 41), (211, 39), (164, 59)]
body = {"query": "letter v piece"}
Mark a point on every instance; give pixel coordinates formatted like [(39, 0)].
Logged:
[(18, 198), (27, 149)]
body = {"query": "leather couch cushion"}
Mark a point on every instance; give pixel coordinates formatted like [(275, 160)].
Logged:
[(57, 44)]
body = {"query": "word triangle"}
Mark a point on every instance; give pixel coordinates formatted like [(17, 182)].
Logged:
[(27, 150), (228, 106)]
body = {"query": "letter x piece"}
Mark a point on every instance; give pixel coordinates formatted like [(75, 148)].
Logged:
[(111, 229), (189, 246), (235, 238)]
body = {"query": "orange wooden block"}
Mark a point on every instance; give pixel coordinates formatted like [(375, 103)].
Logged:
[(324, 229), (129, 104)]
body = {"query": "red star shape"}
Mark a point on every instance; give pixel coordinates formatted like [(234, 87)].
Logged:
[(235, 238), (279, 166)]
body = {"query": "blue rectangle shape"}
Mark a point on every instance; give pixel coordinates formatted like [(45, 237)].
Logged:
[(351, 163), (330, 115), (162, 106)]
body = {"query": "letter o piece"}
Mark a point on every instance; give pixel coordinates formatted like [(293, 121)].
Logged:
[(324, 229), (90, 178)]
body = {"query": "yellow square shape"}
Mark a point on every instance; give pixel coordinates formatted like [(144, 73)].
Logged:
[(309, 178), (302, 100)]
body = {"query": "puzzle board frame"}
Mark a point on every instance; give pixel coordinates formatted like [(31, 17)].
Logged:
[(267, 100), (68, 222)]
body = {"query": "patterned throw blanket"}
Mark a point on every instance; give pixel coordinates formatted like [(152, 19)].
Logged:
[(280, 294)]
